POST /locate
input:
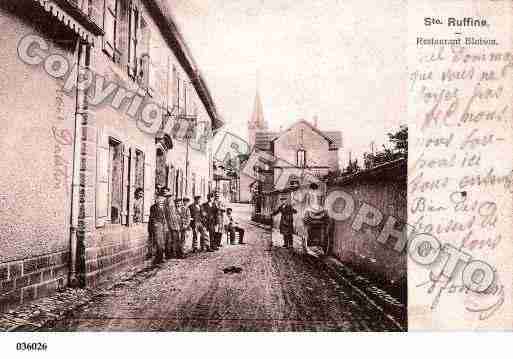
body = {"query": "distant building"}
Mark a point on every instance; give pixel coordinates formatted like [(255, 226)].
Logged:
[(303, 146), (257, 122)]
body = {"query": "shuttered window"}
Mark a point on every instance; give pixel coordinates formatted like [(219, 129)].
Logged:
[(301, 158), (109, 27), (124, 182), (115, 181), (143, 57), (138, 208), (133, 35)]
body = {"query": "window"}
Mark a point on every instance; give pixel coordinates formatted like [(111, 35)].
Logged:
[(181, 95), (177, 84), (94, 9), (161, 169), (132, 40), (143, 48), (181, 192), (139, 187), (185, 90), (301, 158), (177, 180), (109, 27), (115, 180)]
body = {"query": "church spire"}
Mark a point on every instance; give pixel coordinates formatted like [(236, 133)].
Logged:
[(257, 118), (257, 122)]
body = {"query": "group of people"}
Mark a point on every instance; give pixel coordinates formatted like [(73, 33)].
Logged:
[(172, 219)]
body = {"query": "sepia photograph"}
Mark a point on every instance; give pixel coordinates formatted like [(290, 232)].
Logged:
[(243, 166), (166, 169)]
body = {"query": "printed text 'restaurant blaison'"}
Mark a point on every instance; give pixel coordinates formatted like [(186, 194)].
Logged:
[(467, 41)]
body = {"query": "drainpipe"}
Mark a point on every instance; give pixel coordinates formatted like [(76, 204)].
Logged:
[(75, 199)]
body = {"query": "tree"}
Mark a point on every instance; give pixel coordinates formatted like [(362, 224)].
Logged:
[(400, 139)]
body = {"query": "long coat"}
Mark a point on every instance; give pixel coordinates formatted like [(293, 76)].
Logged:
[(195, 211), (287, 218), (210, 217)]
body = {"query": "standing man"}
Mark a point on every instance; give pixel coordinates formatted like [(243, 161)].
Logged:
[(185, 223), (286, 222), (195, 213), (219, 219), (173, 222), (210, 216), (158, 227)]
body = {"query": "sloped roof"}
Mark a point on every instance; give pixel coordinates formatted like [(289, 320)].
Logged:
[(395, 171), (263, 139), (335, 136)]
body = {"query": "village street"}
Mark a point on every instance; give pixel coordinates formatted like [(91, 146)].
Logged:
[(271, 289)]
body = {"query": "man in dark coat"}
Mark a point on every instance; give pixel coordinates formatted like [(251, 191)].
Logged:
[(195, 213), (209, 212), (287, 212), (173, 223), (157, 227)]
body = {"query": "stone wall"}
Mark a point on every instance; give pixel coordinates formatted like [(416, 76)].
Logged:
[(385, 189), (32, 278)]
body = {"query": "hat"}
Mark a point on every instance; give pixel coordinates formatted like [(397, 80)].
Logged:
[(186, 199), (197, 197)]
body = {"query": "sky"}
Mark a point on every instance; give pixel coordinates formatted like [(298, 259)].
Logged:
[(343, 61)]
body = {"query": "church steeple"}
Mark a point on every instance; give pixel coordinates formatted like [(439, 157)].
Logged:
[(257, 119), (257, 122)]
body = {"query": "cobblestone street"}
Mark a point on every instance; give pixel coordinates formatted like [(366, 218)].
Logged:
[(276, 290)]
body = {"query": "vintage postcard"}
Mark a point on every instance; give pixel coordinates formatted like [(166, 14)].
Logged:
[(255, 166)]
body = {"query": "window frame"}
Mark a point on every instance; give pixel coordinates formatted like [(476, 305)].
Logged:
[(136, 151), (115, 142), (110, 49), (298, 162), (133, 40)]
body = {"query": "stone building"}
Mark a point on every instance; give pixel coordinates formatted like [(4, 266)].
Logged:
[(80, 141), (302, 146)]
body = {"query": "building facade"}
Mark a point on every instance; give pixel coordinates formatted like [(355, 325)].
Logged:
[(300, 148), (102, 102)]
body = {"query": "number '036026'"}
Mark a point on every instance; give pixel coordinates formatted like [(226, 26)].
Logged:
[(31, 346)]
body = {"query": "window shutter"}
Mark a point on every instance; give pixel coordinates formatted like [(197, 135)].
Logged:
[(122, 31), (133, 39), (131, 185), (149, 185), (110, 27), (96, 12), (126, 185), (102, 179)]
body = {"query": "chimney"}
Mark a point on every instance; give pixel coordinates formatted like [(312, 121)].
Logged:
[(315, 121)]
